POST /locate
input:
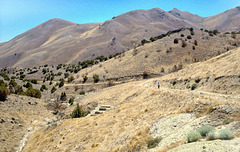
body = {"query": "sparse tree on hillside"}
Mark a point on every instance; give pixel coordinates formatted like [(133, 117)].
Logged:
[(63, 96), (189, 37), (3, 92), (145, 75), (195, 42), (175, 41), (79, 112), (61, 83), (162, 70), (85, 78), (184, 43), (70, 79), (144, 41), (95, 78)]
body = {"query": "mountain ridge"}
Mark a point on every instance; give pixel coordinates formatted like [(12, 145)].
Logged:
[(73, 42)]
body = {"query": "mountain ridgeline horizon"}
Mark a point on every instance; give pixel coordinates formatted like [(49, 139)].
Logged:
[(61, 41)]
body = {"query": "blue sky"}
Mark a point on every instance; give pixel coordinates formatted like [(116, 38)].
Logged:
[(18, 16)]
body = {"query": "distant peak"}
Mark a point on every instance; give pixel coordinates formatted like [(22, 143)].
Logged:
[(59, 20), (175, 10), (156, 9)]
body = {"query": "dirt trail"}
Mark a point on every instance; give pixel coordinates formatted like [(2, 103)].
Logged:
[(231, 99)]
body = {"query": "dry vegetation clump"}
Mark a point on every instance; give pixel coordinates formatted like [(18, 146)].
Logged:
[(153, 142), (225, 134), (193, 136), (56, 106), (204, 130), (79, 112)]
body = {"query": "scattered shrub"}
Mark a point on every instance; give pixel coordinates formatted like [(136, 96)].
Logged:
[(53, 89), (193, 136), (3, 92), (225, 134), (173, 82), (162, 70), (66, 75), (70, 101), (82, 92), (195, 42), (63, 96), (34, 81), (70, 79), (79, 112), (28, 85), (12, 83), (194, 86), (44, 71), (19, 90), (85, 78), (193, 47), (59, 66), (211, 135), (210, 34), (22, 76), (152, 39), (110, 83), (145, 75), (197, 80), (95, 78), (61, 83), (189, 37), (204, 130), (174, 69), (144, 41), (215, 32), (226, 121), (43, 87), (175, 41), (153, 142), (56, 106), (33, 93), (5, 76), (182, 35), (184, 43)]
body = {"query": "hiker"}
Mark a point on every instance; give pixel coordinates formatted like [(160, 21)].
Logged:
[(158, 84)]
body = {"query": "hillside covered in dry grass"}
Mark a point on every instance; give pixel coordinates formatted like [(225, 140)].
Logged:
[(141, 112), (101, 93)]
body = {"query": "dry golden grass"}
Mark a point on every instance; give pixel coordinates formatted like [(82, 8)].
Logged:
[(137, 105), (172, 145), (25, 114), (124, 128), (153, 57), (215, 67)]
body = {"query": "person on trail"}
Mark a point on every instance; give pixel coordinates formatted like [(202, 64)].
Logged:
[(158, 84)]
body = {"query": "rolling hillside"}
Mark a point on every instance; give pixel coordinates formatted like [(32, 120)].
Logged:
[(141, 112), (163, 56)]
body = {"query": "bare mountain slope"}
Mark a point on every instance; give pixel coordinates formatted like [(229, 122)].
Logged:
[(226, 21), (59, 41), (186, 16), (163, 56), (115, 35)]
